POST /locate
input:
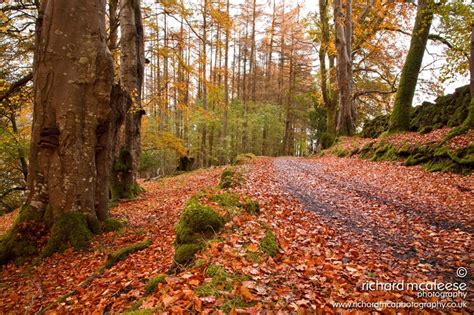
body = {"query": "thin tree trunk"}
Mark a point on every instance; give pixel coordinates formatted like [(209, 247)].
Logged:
[(226, 87), (253, 61), (270, 53), (203, 153), (245, 135)]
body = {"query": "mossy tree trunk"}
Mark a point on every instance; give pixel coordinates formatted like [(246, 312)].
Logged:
[(400, 117), (132, 61), (70, 142), (469, 122)]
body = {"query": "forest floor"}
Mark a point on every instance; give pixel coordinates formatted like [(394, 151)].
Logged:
[(339, 222)]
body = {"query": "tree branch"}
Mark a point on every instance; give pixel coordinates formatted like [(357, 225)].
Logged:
[(16, 86), (361, 93)]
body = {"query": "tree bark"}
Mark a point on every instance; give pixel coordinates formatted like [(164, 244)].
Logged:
[(72, 113), (132, 61), (469, 122), (400, 117), (203, 149), (343, 25), (226, 86), (328, 93)]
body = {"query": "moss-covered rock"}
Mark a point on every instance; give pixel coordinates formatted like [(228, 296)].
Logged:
[(196, 224), (269, 244), (184, 253), (227, 199), (375, 127), (447, 111), (230, 178), (200, 218)]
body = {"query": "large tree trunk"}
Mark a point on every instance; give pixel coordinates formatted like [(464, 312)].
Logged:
[(71, 120), (132, 61), (343, 25), (400, 118)]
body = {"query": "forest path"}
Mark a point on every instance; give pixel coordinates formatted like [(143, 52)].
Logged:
[(339, 222), (411, 221), (371, 210)]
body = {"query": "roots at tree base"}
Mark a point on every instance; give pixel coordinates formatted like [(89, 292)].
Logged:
[(123, 184), (35, 232)]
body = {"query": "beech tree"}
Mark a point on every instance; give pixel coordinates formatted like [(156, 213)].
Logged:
[(327, 75), (400, 117), (69, 155), (343, 25), (132, 62)]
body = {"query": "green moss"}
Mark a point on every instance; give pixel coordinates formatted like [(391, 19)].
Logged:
[(405, 150), (251, 206), (375, 127), (152, 284), (226, 199), (416, 158), (252, 257), (244, 158), (196, 224), (121, 190), (16, 246), (206, 289), (123, 163), (94, 225), (69, 229), (28, 213), (268, 244), (441, 152), (384, 152), (230, 178), (48, 216), (201, 219), (184, 253), (185, 235), (111, 225), (221, 281), (340, 152), (327, 140), (214, 270), (123, 253), (441, 166)]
